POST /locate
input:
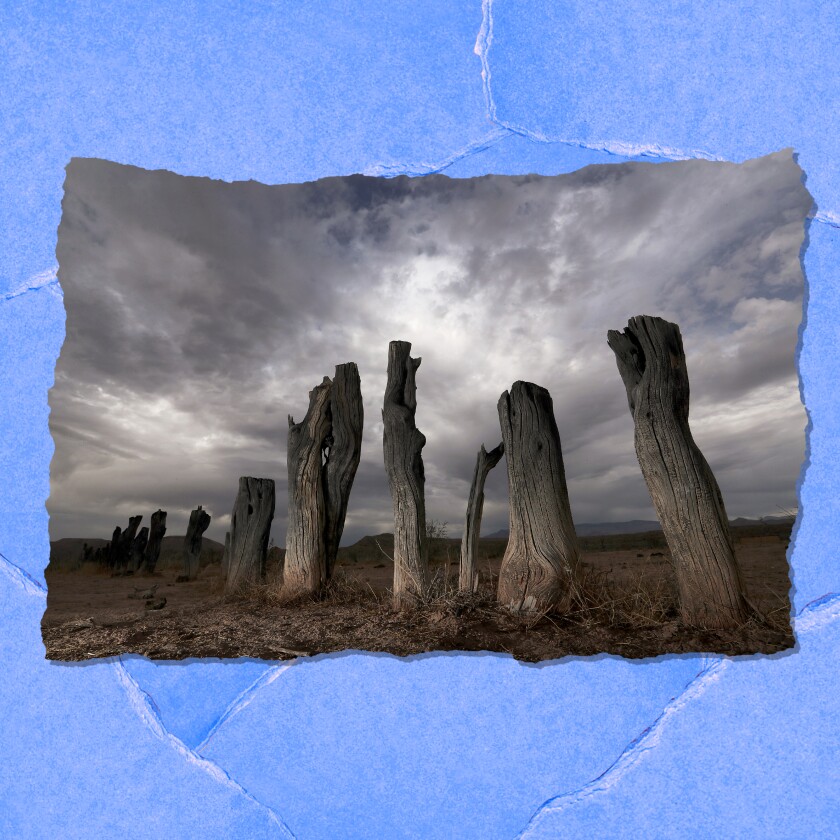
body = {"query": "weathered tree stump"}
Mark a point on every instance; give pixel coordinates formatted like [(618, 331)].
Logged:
[(250, 526), (226, 556), (138, 547), (344, 449), (469, 542), (199, 522), (305, 570), (114, 548), (156, 533), (123, 555), (403, 444), (651, 361), (540, 563)]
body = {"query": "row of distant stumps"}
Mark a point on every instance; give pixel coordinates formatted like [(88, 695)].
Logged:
[(540, 567)]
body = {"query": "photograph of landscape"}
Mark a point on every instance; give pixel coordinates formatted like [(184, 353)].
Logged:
[(541, 415)]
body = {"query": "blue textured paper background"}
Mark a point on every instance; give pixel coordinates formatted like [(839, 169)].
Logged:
[(467, 746)]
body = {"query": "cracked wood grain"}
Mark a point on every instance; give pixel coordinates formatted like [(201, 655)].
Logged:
[(542, 555), (402, 445), (688, 501)]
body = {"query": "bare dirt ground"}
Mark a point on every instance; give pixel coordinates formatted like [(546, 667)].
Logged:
[(630, 609)]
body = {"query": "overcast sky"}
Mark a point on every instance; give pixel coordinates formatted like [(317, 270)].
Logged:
[(201, 313)]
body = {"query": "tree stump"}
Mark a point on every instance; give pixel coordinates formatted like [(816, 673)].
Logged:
[(541, 559), (344, 449), (199, 521), (114, 548), (472, 530), (226, 556), (250, 526), (402, 444), (156, 532), (138, 547), (305, 570), (651, 361), (123, 556)]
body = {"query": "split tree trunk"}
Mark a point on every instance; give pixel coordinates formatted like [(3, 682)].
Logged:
[(305, 570), (250, 526), (156, 532), (344, 452), (541, 559), (125, 543), (199, 521), (686, 496), (403, 443), (138, 547), (469, 543)]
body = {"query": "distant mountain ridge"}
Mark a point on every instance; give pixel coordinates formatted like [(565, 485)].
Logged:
[(638, 526)]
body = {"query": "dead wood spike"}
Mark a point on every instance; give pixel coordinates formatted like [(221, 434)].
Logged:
[(156, 532), (138, 548), (542, 556), (343, 449), (122, 553), (305, 569), (651, 361), (403, 444), (199, 522), (484, 462), (250, 527)]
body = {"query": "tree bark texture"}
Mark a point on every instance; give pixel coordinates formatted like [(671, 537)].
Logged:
[(114, 548), (305, 570), (226, 557), (250, 526), (651, 361), (344, 449), (126, 541), (541, 559), (199, 521), (138, 547), (472, 530), (403, 444), (156, 533)]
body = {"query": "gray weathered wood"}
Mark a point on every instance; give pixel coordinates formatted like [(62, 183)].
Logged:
[(114, 548), (199, 522), (542, 556), (250, 527), (343, 453), (472, 530), (305, 570), (156, 533), (403, 444), (123, 556), (138, 547), (226, 556), (651, 361)]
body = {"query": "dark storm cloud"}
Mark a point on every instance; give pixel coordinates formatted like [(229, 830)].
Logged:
[(201, 313)]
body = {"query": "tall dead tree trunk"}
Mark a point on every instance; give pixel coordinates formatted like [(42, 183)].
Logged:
[(343, 454), (250, 526), (651, 361), (114, 548), (403, 444), (305, 570), (126, 541), (138, 547), (156, 532), (199, 522), (469, 542), (541, 559), (226, 557)]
